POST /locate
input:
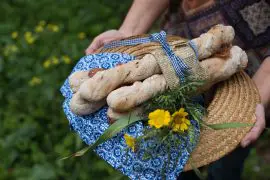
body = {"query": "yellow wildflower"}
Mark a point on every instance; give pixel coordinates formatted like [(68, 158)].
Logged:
[(29, 37), (53, 28), (130, 141), (81, 35), (42, 23), (159, 118), (47, 63), (13, 48), (39, 28), (10, 49), (180, 122), (35, 81), (14, 35), (66, 59), (55, 60)]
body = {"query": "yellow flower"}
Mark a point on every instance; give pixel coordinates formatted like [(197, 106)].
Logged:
[(180, 122), (53, 28), (29, 37), (66, 59), (14, 35), (42, 23), (35, 81), (55, 60), (10, 49), (47, 63), (39, 28), (13, 48), (130, 141), (159, 118), (81, 35)]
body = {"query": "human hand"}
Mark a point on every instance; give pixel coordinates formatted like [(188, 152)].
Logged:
[(257, 129), (104, 38)]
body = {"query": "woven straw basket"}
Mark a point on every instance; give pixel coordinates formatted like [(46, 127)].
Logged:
[(234, 100)]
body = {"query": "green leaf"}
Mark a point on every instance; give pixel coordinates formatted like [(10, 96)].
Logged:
[(196, 170), (78, 153), (112, 131), (191, 133), (227, 125), (146, 156)]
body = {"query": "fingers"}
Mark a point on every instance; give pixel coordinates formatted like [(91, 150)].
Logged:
[(96, 43), (102, 39), (258, 128)]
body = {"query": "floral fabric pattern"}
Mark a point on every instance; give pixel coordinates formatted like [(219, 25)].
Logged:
[(90, 127)]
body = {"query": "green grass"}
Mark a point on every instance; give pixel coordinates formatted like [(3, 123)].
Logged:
[(34, 133)]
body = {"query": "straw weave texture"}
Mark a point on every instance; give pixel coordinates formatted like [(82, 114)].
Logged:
[(234, 101)]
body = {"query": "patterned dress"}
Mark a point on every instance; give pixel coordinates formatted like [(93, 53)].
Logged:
[(250, 19)]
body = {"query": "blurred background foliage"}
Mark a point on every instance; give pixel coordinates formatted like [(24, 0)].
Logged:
[(40, 43)]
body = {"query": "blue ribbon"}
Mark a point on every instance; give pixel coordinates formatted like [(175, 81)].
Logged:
[(178, 64)]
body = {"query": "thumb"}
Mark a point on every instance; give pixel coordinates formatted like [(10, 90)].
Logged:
[(96, 43), (257, 129)]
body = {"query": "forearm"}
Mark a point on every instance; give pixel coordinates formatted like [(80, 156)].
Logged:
[(262, 80), (142, 15)]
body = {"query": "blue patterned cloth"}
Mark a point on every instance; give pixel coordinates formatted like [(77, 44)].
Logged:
[(113, 151)]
